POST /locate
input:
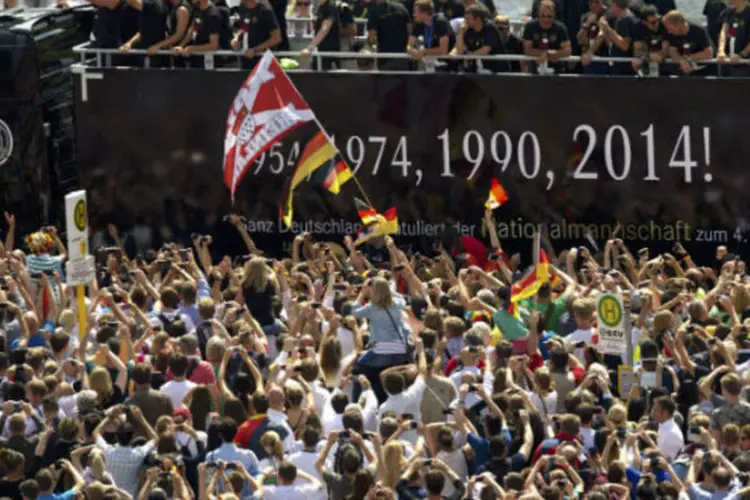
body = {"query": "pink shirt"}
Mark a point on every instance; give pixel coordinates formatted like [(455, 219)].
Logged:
[(202, 375)]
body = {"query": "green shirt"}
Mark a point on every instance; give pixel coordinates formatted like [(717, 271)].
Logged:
[(553, 325), (512, 328)]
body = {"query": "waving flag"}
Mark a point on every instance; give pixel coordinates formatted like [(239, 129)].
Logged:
[(497, 195), (266, 109), (366, 213), (333, 174), (381, 225), (530, 284)]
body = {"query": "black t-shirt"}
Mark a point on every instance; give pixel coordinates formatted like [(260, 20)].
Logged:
[(130, 21), (439, 28), (204, 24), (172, 16), (695, 41), (488, 36), (652, 39), (153, 22), (738, 29), (593, 31), (713, 11), (256, 24), (328, 11), (625, 27), (11, 489), (279, 10), (106, 29), (514, 45), (449, 8), (551, 38), (390, 21)]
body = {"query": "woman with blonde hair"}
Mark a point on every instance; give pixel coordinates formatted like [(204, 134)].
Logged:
[(107, 393), (388, 333), (271, 443), (393, 464), (260, 291)]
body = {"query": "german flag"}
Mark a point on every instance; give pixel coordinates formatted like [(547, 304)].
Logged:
[(317, 152), (335, 173), (382, 225), (530, 284), (497, 195), (366, 213)]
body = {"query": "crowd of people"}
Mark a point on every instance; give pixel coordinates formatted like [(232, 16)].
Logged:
[(361, 372), (656, 37)]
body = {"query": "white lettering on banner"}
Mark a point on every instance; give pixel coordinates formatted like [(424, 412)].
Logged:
[(524, 151), (610, 314), (344, 227)]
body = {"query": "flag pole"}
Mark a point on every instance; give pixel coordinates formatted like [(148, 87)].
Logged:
[(354, 177)]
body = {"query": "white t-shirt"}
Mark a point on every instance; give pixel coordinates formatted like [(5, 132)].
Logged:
[(291, 492), (305, 461), (409, 401), (546, 406), (177, 391), (457, 462), (670, 439), (585, 335)]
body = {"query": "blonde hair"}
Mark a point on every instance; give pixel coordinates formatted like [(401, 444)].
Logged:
[(662, 321), (159, 342), (101, 382), (544, 380), (256, 274), (381, 293), (67, 320), (393, 462), (97, 464), (617, 416), (272, 440), (674, 17)]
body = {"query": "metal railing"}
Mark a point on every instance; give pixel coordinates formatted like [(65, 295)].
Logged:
[(98, 58)]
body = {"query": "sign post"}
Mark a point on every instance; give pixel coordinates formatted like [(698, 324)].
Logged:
[(610, 313), (80, 268)]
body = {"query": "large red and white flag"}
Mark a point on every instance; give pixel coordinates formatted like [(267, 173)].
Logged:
[(266, 109)]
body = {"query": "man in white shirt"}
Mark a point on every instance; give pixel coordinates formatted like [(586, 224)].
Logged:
[(287, 489), (276, 412), (402, 400), (305, 458), (178, 388), (670, 438)]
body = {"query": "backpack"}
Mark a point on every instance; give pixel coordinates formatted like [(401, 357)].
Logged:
[(203, 331), (345, 444), (167, 323)]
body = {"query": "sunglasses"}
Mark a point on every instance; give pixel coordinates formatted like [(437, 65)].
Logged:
[(546, 16)]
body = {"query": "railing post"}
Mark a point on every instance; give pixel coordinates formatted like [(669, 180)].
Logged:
[(318, 61), (98, 59)]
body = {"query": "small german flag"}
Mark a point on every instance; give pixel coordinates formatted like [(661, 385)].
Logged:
[(366, 212), (497, 195), (334, 174)]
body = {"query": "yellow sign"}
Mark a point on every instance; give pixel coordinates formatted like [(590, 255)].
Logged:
[(610, 311), (79, 215)]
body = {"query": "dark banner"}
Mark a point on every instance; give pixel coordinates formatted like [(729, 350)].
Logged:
[(666, 158)]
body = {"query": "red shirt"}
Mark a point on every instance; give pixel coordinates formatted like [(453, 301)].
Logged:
[(246, 430)]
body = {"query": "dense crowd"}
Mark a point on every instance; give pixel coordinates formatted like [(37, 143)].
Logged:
[(654, 35), (363, 372)]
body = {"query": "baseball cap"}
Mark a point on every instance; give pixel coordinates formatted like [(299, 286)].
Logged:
[(181, 412)]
